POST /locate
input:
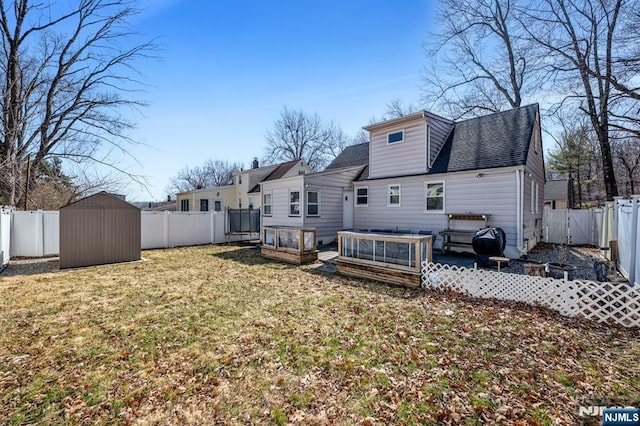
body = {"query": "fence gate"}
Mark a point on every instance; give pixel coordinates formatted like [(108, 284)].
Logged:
[(243, 221), (5, 235), (567, 226)]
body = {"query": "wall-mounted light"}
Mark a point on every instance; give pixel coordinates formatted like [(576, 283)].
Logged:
[(529, 174), (218, 194), (479, 175)]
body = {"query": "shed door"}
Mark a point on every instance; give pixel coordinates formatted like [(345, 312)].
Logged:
[(347, 210)]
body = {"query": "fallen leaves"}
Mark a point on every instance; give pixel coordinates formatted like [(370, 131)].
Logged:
[(220, 335)]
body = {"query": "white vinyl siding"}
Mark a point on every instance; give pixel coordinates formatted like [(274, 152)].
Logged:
[(294, 203), (362, 196), (393, 200), (313, 203), (494, 194), (408, 157), (434, 197)]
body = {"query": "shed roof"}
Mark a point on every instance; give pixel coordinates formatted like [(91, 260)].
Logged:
[(352, 155), (556, 189), (101, 199)]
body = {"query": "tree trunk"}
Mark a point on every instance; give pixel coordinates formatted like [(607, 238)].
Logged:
[(608, 171)]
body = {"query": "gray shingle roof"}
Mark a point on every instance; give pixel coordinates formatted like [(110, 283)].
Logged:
[(353, 155), (496, 140)]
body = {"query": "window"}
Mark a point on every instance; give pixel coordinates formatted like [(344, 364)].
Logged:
[(394, 195), (362, 197), (395, 137), (434, 196), (313, 203), (217, 205), (294, 203), (204, 205), (239, 179), (184, 205), (239, 203), (537, 199), (533, 189), (250, 202), (266, 204)]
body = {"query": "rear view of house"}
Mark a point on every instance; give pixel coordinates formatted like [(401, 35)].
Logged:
[(422, 168)]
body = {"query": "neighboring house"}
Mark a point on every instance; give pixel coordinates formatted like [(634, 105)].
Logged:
[(423, 167), (313, 200), (556, 194), (241, 193)]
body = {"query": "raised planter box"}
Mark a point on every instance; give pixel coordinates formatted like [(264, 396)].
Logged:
[(289, 244), (390, 258)]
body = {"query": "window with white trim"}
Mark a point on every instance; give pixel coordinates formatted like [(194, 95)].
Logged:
[(217, 205), (362, 197), (434, 196), (537, 197), (250, 202), (313, 203), (394, 196), (204, 205), (294, 203), (266, 204), (184, 205), (395, 137)]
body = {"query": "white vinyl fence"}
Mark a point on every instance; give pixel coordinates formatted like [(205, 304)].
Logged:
[(174, 229), (37, 233), (574, 227), (628, 237), (602, 302), (5, 235)]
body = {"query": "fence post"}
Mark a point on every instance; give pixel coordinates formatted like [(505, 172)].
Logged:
[(166, 229), (634, 238)]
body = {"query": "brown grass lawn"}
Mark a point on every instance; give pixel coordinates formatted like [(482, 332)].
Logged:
[(219, 335)]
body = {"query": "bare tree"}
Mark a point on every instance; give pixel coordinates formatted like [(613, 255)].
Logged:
[(478, 62), (212, 173), (298, 135), (398, 108), (588, 54), (627, 155), (66, 74)]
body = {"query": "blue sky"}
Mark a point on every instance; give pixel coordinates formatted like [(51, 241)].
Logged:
[(227, 68)]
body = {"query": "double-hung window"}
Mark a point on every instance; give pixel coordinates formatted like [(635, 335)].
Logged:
[(394, 196), (362, 197), (294, 203), (266, 204), (434, 196), (217, 205), (184, 205), (313, 203), (204, 205)]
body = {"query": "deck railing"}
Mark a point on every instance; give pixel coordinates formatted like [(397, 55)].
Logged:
[(403, 252)]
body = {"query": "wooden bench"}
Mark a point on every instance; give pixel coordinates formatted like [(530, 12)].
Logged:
[(461, 238)]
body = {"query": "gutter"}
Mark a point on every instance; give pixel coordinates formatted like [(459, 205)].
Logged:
[(519, 211)]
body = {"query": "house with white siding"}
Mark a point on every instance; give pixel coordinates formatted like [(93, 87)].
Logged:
[(423, 167), (314, 200)]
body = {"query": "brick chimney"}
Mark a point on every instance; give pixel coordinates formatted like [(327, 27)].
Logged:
[(255, 163)]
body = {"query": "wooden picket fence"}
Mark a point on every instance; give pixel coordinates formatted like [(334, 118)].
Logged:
[(602, 302)]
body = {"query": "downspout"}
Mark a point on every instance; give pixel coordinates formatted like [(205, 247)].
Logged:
[(519, 211)]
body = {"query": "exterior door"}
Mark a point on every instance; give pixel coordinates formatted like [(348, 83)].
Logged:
[(347, 210)]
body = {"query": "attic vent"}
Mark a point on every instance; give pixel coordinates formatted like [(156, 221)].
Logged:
[(301, 172)]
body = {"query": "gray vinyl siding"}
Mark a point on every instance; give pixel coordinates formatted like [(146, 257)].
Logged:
[(280, 202), (534, 167), (439, 131), (330, 186), (493, 194), (407, 157)]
